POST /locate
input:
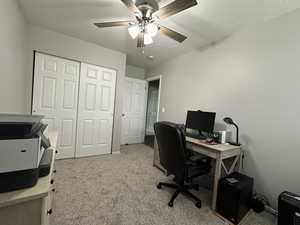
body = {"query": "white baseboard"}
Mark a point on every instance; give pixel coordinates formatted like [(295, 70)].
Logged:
[(269, 209), (118, 152)]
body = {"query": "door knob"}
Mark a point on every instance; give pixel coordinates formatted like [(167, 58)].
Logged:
[(123, 114)]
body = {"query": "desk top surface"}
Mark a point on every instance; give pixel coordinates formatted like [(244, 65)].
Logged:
[(218, 147), (40, 190)]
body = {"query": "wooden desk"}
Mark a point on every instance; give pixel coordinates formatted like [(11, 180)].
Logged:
[(220, 153)]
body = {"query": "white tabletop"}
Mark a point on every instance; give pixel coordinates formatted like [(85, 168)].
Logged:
[(218, 147)]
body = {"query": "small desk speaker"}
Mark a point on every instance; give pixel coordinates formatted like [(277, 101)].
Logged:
[(288, 209)]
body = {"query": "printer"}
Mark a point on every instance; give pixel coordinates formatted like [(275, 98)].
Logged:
[(22, 145)]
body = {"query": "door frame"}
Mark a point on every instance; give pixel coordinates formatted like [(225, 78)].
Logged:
[(158, 77)]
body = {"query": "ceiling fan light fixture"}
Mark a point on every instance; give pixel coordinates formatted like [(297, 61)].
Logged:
[(148, 39), (134, 31), (152, 29), (147, 14)]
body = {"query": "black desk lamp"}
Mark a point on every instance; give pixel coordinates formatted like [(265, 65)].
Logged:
[(229, 121)]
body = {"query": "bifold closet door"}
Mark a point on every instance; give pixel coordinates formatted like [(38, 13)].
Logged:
[(95, 110), (55, 93)]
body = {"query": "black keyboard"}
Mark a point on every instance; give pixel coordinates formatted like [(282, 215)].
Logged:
[(196, 136)]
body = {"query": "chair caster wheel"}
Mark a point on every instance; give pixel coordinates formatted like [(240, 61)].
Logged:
[(170, 204), (198, 205), (158, 186)]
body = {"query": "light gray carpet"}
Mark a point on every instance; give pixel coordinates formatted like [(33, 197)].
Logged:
[(121, 189)]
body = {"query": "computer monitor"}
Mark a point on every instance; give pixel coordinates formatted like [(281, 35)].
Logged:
[(201, 121)]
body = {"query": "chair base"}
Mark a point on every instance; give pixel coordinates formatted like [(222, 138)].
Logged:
[(183, 189)]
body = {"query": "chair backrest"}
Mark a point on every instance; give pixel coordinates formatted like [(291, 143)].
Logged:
[(171, 145)]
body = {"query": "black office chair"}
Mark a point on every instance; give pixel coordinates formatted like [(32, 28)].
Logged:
[(178, 160)]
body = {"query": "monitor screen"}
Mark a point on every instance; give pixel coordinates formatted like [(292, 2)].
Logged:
[(201, 121)]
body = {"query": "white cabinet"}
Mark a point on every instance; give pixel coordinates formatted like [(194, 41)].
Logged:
[(47, 209)]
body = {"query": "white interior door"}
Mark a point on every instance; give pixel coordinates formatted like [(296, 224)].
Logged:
[(134, 111), (95, 110), (55, 92)]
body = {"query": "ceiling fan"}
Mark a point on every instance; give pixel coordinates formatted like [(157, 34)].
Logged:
[(147, 14)]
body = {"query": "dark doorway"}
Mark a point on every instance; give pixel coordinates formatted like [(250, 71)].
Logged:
[(152, 111)]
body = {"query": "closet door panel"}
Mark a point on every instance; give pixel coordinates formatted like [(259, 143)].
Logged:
[(95, 110), (55, 92)]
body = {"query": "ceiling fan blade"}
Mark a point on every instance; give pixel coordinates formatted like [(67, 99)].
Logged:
[(113, 24), (175, 7), (172, 34), (140, 41), (131, 6)]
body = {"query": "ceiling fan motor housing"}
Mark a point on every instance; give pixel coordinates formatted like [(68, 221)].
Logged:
[(147, 8)]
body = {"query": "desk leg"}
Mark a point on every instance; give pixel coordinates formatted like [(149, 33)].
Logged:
[(217, 176)]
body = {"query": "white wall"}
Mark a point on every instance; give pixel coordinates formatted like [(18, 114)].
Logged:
[(135, 72), (12, 55), (57, 44), (253, 77)]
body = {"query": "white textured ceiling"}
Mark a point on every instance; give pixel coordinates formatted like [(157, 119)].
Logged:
[(210, 21)]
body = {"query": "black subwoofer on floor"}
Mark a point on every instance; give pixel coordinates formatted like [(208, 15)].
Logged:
[(234, 197), (288, 209)]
